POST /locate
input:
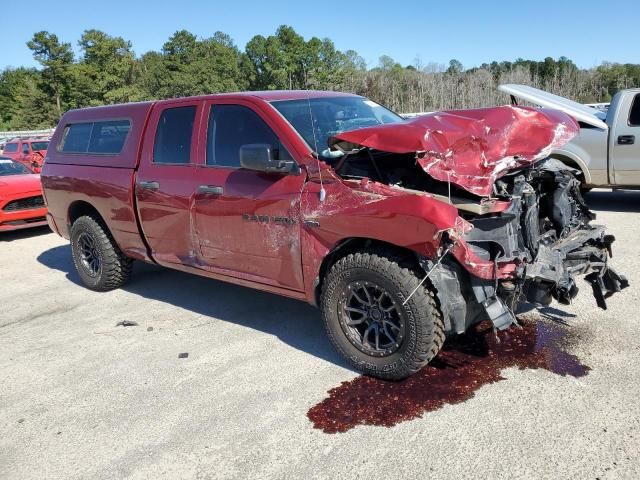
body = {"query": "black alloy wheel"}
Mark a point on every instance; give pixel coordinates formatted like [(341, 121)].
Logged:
[(371, 319)]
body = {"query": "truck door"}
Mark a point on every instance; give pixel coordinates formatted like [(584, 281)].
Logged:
[(164, 182), (247, 223), (624, 141)]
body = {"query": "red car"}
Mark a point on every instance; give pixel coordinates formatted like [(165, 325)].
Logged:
[(21, 202), (402, 231), (28, 151)]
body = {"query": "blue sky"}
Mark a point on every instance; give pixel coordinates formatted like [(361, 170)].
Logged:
[(474, 32)]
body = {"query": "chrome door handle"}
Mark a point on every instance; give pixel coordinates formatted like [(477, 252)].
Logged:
[(626, 139), (211, 189), (151, 185)]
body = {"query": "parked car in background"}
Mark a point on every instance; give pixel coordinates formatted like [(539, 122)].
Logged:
[(607, 150), (28, 151), (333, 199), (21, 201)]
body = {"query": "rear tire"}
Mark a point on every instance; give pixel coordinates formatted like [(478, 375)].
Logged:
[(99, 262), (365, 320)]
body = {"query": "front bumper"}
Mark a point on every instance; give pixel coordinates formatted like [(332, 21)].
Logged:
[(19, 219), (21, 224), (584, 252), (475, 288)]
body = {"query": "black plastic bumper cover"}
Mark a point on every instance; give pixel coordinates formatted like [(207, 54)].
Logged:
[(585, 251)]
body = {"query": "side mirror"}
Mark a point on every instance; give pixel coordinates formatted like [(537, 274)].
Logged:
[(260, 157)]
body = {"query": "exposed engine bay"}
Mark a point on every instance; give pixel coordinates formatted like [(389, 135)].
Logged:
[(531, 217)]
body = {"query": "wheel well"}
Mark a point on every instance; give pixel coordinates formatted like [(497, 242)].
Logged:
[(406, 256), (80, 209), (572, 163)]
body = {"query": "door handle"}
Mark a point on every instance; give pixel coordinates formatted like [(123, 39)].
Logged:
[(211, 189), (151, 185), (626, 139)]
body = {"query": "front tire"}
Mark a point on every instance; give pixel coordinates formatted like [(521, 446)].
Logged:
[(365, 320), (99, 262)]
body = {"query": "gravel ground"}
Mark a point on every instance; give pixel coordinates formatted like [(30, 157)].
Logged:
[(83, 398)]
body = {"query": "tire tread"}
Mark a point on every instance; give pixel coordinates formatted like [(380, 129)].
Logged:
[(423, 303), (116, 266)]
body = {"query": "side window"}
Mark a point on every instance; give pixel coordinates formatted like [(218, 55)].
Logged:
[(76, 138), (634, 115), (106, 137), (25, 148), (11, 148), (230, 127), (173, 136)]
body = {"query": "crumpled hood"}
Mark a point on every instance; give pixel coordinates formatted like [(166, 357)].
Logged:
[(471, 148)]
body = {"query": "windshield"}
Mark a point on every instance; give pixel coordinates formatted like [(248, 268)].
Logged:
[(9, 167), (331, 116), (35, 146)]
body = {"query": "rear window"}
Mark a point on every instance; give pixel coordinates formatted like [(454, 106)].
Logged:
[(11, 147), (100, 138), (35, 146)]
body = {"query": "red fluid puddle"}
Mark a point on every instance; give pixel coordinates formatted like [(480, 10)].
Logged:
[(462, 367)]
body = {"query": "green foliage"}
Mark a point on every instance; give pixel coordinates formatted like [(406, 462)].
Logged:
[(188, 66), (56, 79), (34, 108), (616, 76), (12, 85), (108, 71), (286, 61), (455, 67)]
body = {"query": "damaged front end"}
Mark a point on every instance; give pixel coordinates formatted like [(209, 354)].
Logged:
[(532, 234), (537, 246)]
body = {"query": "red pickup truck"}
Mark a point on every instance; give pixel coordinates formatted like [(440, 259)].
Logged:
[(402, 231), (28, 151)]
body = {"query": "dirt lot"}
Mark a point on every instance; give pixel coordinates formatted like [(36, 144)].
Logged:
[(83, 398)]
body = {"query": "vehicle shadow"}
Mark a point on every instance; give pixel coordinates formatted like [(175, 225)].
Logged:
[(616, 201), (24, 233), (296, 323)]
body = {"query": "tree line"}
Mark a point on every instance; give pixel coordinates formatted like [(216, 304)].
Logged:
[(106, 70)]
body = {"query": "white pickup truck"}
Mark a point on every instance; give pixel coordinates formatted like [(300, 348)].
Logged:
[(607, 151)]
